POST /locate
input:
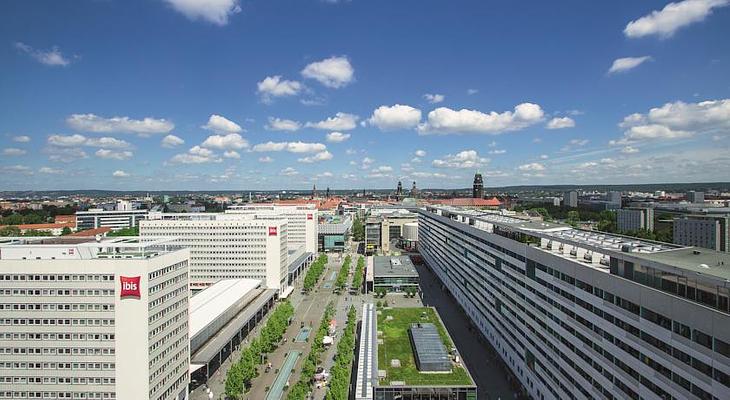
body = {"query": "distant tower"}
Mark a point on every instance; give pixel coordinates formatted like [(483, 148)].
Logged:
[(478, 189), (399, 191), (314, 191), (327, 195), (414, 190)]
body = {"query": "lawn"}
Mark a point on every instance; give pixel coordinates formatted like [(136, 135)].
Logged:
[(396, 345)]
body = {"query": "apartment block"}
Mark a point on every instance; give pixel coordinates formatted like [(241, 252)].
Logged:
[(708, 231), (81, 319), (581, 314), (634, 219)]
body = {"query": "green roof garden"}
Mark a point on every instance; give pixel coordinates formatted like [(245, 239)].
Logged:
[(396, 345)]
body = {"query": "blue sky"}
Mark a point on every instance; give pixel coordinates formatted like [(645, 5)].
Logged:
[(227, 94)]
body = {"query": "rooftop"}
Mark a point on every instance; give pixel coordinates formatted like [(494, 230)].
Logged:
[(84, 248), (394, 324), (694, 259), (393, 266), (208, 305)]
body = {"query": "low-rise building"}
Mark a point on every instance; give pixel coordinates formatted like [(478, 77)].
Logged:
[(115, 219), (394, 274), (407, 353)]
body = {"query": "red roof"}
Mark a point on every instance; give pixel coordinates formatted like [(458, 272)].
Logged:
[(470, 202), (92, 232)]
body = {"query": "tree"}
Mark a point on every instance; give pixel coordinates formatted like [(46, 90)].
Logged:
[(133, 231), (65, 231), (9, 231), (358, 230)]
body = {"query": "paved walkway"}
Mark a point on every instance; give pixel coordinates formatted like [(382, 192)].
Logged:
[(308, 310), (282, 379)]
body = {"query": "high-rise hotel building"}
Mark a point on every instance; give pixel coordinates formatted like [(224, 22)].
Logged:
[(93, 319), (584, 315)]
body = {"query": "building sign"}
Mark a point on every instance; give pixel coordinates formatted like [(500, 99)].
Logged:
[(310, 216), (130, 287), (272, 231)]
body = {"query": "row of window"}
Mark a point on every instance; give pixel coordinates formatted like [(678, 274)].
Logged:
[(56, 277), (56, 307), (57, 292), (59, 321), (53, 365), (57, 336)]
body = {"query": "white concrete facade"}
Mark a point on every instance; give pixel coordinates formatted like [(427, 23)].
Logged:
[(69, 329), (301, 220), (227, 246)]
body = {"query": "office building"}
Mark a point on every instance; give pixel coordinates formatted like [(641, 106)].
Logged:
[(115, 219), (708, 231), (570, 199), (635, 219), (394, 274), (401, 355), (582, 314), (384, 227), (695, 197), (301, 220), (87, 319), (333, 234), (477, 191), (227, 246)]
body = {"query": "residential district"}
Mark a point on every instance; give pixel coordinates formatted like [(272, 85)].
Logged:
[(528, 293)]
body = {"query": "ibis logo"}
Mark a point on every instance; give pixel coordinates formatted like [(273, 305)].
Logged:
[(130, 287), (310, 216), (272, 231)]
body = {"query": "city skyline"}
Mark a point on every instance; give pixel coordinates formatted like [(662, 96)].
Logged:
[(179, 95)]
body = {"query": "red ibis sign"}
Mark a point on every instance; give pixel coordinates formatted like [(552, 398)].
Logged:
[(130, 287)]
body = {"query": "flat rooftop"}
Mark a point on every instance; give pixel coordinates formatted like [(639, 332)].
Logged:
[(393, 266), (694, 259), (394, 324), (84, 248), (208, 305)]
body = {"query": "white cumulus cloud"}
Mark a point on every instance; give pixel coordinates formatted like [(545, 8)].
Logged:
[(289, 171), (216, 12), (120, 174), (395, 117), (420, 153), (81, 140), (340, 122), (50, 171), (673, 16), (531, 167), (333, 72), (434, 98), (274, 86), (223, 142), (291, 147), (463, 159), (444, 120), (13, 152), (114, 155), (278, 124), (171, 141), (560, 123), (321, 156), (52, 57), (266, 159), (627, 63), (676, 120), (21, 139), (231, 154), (196, 155), (337, 137), (96, 124), (220, 124)]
